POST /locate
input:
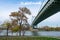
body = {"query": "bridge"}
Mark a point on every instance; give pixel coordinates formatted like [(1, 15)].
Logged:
[(51, 7)]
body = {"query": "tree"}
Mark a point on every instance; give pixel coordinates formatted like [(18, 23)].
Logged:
[(20, 16), (8, 25), (15, 29), (17, 17), (57, 28), (24, 11)]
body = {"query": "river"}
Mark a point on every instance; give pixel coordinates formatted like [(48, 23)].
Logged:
[(29, 33)]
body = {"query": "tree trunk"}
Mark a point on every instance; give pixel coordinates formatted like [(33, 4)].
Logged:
[(20, 28), (12, 33), (7, 31), (23, 32)]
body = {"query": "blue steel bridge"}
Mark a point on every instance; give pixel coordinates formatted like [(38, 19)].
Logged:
[(50, 8)]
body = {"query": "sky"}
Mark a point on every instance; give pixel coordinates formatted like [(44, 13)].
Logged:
[(8, 6)]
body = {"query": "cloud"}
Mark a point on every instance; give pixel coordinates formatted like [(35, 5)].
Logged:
[(30, 3)]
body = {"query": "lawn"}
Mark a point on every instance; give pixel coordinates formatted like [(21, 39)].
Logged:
[(27, 38)]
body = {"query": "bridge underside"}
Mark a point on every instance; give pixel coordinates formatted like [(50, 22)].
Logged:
[(47, 11)]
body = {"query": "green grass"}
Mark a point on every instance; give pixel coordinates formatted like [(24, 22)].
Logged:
[(28, 38)]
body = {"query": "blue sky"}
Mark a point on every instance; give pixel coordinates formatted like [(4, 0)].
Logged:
[(8, 6)]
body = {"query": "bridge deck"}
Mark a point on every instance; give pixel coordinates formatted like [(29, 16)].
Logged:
[(50, 8)]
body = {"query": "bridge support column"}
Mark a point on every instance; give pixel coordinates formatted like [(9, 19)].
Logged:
[(35, 32), (34, 26)]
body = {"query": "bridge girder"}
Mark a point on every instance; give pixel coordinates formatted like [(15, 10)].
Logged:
[(50, 8)]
